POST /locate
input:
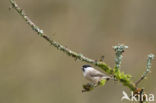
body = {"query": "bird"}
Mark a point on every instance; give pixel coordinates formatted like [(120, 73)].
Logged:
[(93, 75)]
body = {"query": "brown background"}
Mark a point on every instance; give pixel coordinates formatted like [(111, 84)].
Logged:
[(31, 71)]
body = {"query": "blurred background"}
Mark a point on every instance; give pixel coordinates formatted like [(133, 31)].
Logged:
[(32, 71)]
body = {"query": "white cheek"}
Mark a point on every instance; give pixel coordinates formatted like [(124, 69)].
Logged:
[(87, 70), (85, 73)]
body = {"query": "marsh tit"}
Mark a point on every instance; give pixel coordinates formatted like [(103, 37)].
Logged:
[(93, 75)]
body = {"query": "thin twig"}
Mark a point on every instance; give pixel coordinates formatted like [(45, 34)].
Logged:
[(148, 67), (119, 49), (52, 42), (124, 78)]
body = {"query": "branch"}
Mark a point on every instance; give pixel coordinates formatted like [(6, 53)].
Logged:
[(119, 49), (123, 78), (52, 42), (148, 67)]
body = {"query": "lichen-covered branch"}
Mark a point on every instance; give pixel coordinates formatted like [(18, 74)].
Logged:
[(52, 42), (148, 67), (120, 76), (119, 49)]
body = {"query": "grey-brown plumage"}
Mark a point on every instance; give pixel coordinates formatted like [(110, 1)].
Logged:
[(93, 75)]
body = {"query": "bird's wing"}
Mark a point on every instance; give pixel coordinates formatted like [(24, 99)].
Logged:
[(96, 73)]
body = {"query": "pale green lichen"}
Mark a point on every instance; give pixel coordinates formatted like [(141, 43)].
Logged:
[(148, 65), (119, 49)]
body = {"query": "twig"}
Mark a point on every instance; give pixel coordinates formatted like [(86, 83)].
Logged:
[(52, 42), (119, 49), (148, 67), (102, 58)]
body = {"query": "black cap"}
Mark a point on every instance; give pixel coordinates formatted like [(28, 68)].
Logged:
[(85, 66)]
